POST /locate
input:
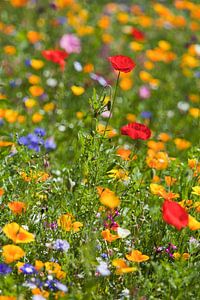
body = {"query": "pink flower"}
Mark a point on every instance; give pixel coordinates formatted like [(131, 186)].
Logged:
[(70, 43), (144, 92)]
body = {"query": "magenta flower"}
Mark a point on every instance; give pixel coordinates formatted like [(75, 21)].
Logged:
[(70, 43)]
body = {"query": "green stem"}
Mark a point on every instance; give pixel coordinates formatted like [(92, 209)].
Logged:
[(113, 103)]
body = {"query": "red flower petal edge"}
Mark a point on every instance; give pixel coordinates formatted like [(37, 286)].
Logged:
[(174, 214), (122, 63), (136, 131)]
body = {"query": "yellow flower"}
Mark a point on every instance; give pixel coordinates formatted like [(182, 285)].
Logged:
[(49, 106), (12, 253), (156, 189), (37, 64), (17, 234), (8, 298), (77, 90), (137, 256), (193, 224), (126, 83), (194, 112), (68, 223), (118, 174), (196, 190), (109, 133), (108, 197), (30, 103), (122, 267)]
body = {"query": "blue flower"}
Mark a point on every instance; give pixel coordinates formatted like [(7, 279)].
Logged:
[(146, 114), (28, 269), (5, 269), (62, 245), (50, 144), (40, 131)]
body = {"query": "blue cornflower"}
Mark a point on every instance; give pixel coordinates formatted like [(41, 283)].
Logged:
[(146, 114), (40, 131), (5, 269), (55, 285), (28, 269), (23, 140), (50, 144), (62, 245)]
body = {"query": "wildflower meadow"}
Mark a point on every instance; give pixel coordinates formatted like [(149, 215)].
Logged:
[(100, 149)]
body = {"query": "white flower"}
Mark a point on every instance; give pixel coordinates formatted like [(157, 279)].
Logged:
[(123, 233), (102, 268)]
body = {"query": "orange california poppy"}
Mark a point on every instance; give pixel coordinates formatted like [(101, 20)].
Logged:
[(17, 234)]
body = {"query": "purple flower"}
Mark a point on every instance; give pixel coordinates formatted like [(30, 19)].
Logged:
[(23, 140), (40, 131), (62, 245), (50, 144), (70, 43), (5, 269), (28, 269), (146, 114)]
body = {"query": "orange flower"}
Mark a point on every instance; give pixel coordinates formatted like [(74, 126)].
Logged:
[(122, 267), (108, 198), (1, 192), (137, 256), (34, 36), (109, 236), (18, 3), (8, 298), (182, 144), (17, 234), (36, 90), (17, 207), (170, 180), (12, 253), (157, 160), (124, 153)]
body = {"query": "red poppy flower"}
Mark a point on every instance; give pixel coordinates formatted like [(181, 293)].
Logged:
[(136, 131), (174, 214), (56, 56), (137, 34), (122, 63)]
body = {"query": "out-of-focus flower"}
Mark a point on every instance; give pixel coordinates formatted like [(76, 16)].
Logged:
[(136, 131), (77, 90), (5, 269), (193, 224), (182, 144), (144, 92), (56, 56), (196, 190), (70, 43)]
